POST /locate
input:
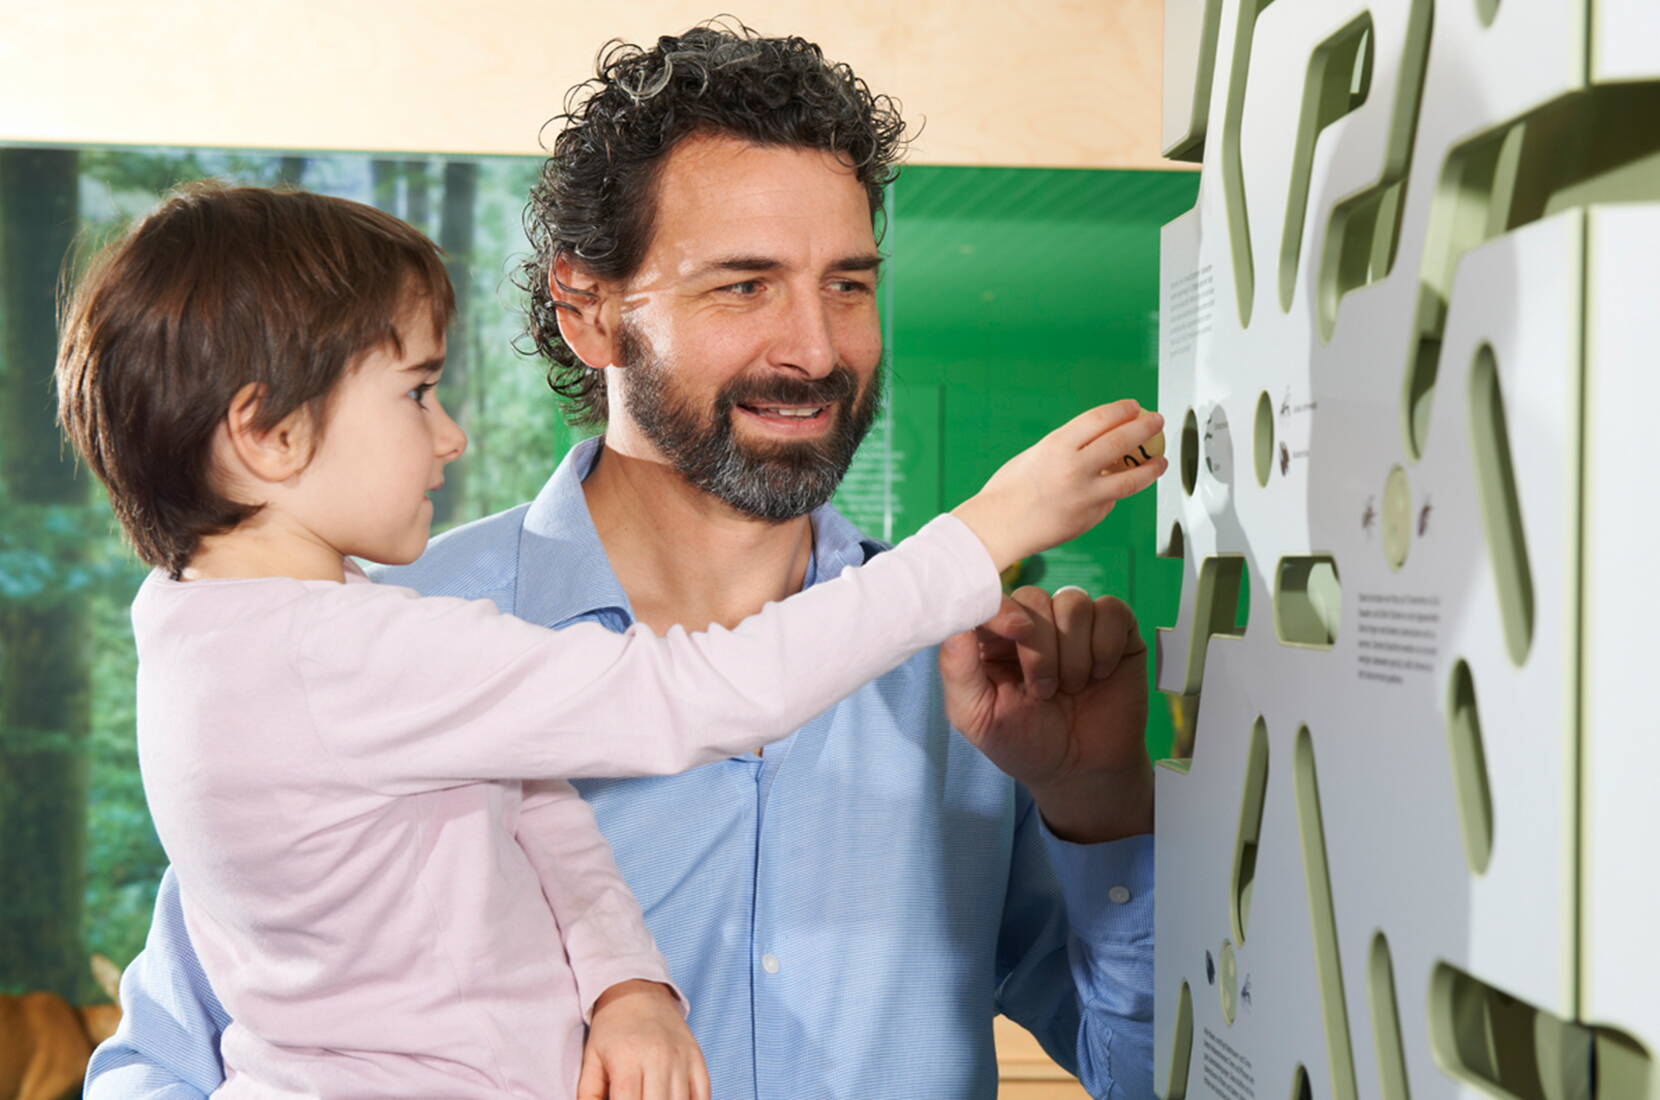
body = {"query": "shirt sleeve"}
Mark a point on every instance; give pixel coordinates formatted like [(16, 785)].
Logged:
[(1076, 954), (415, 694), (599, 921), (167, 1045)]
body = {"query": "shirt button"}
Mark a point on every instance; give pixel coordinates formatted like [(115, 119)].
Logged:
[(1118, 895), (769, 963)]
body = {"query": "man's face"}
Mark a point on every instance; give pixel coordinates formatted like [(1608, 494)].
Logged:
[(749, 340)]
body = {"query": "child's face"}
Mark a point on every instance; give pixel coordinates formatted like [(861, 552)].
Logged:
[(385, 446)]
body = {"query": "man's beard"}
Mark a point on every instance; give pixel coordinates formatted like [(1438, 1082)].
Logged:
[(773, 482)]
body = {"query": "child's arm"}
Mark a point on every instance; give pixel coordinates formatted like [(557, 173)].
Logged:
[(414, 694), (636, 1017), (600, 923)]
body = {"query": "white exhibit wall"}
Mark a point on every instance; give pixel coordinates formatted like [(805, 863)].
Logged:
[(1408, 330)]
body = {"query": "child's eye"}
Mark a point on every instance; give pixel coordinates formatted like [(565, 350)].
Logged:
[(419, 393)]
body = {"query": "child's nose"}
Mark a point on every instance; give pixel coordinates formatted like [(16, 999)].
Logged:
[(451, 441)]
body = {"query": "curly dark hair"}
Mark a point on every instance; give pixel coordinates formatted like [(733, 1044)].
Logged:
[(594, 201)]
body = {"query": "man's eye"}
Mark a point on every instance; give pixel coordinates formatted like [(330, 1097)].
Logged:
[(850, 286), (746, 289)]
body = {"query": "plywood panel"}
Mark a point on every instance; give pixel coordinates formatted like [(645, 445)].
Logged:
[(1067, 83)]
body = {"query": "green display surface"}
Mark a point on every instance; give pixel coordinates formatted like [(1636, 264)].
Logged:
[(1015, 298)]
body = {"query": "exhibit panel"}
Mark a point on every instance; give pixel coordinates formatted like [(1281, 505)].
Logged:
[(1391, 329), (1621, 754)]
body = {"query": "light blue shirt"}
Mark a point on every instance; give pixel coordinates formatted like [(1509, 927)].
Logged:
[(846, 914)]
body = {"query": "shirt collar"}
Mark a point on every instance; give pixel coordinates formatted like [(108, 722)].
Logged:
[(564, 573)]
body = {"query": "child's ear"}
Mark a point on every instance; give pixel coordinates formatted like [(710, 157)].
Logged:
[(272, 454), (587, 310)]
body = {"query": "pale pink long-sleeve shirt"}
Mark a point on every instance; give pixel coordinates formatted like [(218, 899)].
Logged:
[(389, 883)]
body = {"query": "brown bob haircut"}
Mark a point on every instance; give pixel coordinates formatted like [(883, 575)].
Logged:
[(221, 287)]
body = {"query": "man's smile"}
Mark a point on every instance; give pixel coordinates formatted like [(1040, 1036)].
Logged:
[(793, 419)]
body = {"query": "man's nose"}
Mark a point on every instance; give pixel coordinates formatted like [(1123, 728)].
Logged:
[(804, 340)]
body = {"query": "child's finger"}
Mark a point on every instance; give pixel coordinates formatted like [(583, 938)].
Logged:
[(1108, 449), (591, 1085), (1119, 484), (626, 1084), (654, 1081), (1092, 423), (680, 1082)]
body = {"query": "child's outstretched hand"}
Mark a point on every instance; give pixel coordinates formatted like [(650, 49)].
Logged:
[(639, 1048), (1064, 484)]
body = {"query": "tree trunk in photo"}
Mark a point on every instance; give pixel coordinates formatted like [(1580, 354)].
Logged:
[(383, 185), (44, 666), (417, 192), (455, 237)]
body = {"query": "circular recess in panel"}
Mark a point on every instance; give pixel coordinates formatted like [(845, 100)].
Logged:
[(1218, 446), (1397, 518), (1190, 452), (1227, 981), (1487, 11), (1264, 440), (1216, 462)]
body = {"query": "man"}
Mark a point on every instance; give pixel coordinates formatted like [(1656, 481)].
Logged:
[(847, 912)]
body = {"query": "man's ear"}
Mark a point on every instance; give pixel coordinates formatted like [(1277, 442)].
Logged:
[(272, 454), (587, 311)]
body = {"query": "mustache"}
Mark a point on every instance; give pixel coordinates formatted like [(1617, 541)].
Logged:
[(834, 388)]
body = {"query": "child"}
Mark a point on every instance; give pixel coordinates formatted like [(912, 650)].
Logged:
[(341, 772)]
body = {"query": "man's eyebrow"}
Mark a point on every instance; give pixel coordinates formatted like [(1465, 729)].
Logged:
[(864, 261), (738, 263), (430, 366)]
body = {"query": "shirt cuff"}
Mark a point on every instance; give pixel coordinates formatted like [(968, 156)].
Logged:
[(1107, 888)]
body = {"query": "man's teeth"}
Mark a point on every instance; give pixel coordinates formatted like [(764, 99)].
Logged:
[(797, 413)]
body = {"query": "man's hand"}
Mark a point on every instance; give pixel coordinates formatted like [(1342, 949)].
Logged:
[(639, 1048), (1054, 692)]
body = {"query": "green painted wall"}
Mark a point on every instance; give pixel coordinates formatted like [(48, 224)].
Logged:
[(1014, 299)]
